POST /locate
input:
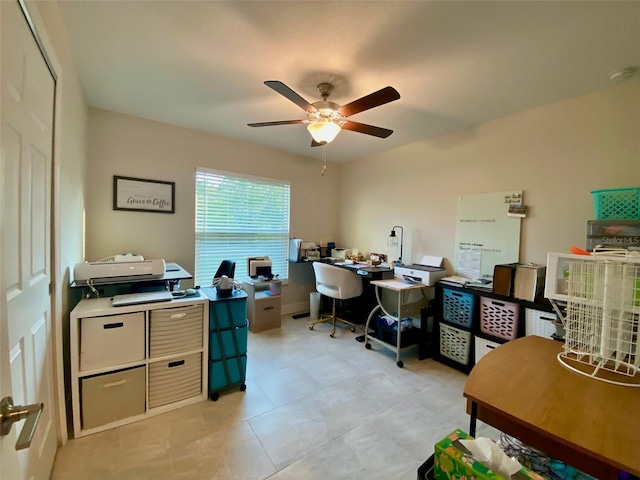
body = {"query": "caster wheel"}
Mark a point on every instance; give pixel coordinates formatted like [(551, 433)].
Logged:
[(331, 334), (400, 364), (215, 396), (310, 327), (243, 387), (353, 329), (367, 346)]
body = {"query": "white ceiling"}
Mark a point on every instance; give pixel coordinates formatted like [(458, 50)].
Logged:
[(202, 64)]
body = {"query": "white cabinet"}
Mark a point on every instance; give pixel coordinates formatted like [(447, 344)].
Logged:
[(131, 362)]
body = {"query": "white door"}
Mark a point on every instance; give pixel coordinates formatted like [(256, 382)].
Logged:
[(26, 132)]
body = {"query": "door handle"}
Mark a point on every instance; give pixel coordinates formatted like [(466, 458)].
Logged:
[(10, 413)]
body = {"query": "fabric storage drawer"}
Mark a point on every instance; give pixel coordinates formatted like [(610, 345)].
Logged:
[(175, 330), (174, 380), (112, 396), (540, 323), (111, 340), (455, 344), (483, 346), (498, 318), (228, 343), (457, 307), (230, 371)]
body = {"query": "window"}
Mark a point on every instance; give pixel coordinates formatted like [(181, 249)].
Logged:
[(238, 217)]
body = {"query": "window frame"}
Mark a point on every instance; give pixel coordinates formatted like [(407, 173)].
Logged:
[(280, 233)]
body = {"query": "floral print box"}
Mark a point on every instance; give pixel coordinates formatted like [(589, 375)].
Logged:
[(454, 462)]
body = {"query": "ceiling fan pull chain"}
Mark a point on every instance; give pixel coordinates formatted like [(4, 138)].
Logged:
[(324, 159)]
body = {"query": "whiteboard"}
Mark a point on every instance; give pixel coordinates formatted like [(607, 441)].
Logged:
[(486, 235)]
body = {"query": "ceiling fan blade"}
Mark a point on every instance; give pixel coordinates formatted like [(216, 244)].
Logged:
[(270, 124), (375, 99), (286, 92), (368, 129)]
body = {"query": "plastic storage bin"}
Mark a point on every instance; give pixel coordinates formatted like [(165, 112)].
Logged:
[(455, 344), (229, 311), (498, 318), (228, 343), (389, 333), (457, 307), (483, 346), (617, 204), (540, 323), (613, 234), (228, 338), (227, 371)]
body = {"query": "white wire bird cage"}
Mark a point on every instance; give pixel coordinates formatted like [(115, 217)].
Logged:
[(601, 316)]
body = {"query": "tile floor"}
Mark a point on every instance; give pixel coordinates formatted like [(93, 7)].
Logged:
[(315, 408)]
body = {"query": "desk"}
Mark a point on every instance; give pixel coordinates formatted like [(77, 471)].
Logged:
[(356, 310), (367, 271), (521, 389), (108, 287), (400, 287)]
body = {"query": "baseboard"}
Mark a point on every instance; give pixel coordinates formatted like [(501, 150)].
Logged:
[(292, 308)]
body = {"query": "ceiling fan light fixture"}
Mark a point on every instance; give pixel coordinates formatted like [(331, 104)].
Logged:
[(324, 131)]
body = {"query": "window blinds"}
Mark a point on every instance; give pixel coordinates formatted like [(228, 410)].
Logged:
[(239, 217)]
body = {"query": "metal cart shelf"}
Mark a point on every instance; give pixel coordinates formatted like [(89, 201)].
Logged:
[(401, 288)]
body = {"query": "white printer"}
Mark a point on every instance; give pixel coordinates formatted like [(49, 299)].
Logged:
[(427, 272), (122, 269)]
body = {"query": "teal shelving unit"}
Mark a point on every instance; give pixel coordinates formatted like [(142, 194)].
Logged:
[(228, 330)]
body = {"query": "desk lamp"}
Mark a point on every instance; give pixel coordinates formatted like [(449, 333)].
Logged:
[(392, 241)]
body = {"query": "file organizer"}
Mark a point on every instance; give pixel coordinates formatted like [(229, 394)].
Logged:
[(228, 331)]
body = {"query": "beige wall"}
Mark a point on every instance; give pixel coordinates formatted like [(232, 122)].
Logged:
[(556, 154), (133, 147)]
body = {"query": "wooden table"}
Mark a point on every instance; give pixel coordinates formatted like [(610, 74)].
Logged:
[(521, 389)]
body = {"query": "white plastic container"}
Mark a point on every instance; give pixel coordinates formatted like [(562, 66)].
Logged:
[(314, 304)]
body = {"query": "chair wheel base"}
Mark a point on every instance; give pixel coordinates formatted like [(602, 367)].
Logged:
[(367, 346)]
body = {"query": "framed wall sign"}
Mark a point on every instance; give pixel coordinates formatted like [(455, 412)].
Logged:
[(139, 194)]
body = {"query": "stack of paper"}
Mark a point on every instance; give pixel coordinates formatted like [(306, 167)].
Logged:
[(455, 280)]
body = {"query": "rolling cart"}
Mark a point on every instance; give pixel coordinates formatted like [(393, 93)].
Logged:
[(228, 327)]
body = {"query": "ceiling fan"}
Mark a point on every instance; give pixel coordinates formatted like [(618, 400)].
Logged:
[(325, 119)]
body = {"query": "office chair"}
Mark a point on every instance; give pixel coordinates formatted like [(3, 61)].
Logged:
[(339, 284), (227, 267)]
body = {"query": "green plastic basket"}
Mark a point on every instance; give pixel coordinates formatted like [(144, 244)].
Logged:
[(617, 204)]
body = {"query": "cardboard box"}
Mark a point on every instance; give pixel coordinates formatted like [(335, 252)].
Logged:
[(453, 462), (529, 282), (504, 279)]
